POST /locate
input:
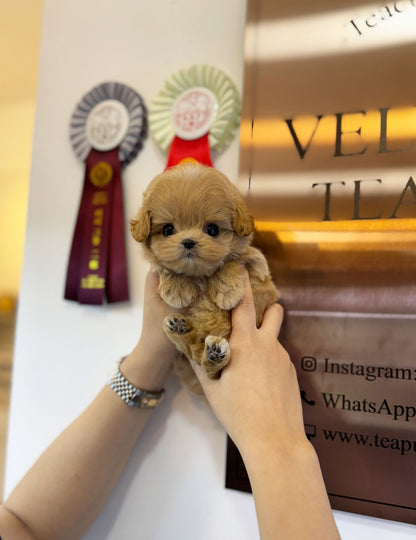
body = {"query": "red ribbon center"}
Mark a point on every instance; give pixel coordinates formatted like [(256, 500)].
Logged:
[(193, 150)]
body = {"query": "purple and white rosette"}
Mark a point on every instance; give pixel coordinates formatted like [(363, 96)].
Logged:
[(128, 99), (107, 130)]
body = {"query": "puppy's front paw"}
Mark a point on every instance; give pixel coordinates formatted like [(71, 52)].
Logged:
[(176, 324), (216, 355), (178, 291), (226, 288)]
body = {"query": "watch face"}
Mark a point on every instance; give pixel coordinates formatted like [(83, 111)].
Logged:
[(145, 400), (134, 397), (149, 402)]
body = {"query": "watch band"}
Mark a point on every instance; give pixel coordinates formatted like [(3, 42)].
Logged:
[(134, 397)]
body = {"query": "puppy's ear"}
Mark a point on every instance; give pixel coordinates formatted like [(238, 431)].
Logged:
[(140, 226), (243, 223)]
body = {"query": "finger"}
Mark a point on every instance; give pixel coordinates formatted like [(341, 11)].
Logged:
[(272, 320), (154, 306), (152, 288), (152, 281), (243, 316), (203, 378)]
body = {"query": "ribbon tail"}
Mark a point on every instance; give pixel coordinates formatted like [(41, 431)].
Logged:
[(73, 271), (117, 282), (97, 268), (93, 263)]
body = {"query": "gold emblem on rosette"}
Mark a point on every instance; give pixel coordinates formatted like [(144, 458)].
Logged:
[(101, 174)]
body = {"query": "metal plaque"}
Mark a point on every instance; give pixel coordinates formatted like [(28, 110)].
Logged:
[(328, 168)]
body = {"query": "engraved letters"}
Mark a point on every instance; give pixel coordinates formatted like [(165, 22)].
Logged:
[(339, 132), (408, 193), (398, 412), (382, 14)]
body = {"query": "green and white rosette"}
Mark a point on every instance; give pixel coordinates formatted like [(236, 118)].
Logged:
[(196, 111)]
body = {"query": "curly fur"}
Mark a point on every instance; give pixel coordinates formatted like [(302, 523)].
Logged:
[(196, 231)]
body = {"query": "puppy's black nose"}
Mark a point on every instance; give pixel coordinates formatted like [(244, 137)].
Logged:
[(188, 243)]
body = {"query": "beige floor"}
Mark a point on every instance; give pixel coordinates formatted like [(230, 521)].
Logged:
[(7, 320)]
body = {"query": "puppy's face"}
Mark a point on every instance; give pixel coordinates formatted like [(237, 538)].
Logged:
[(192, 220)]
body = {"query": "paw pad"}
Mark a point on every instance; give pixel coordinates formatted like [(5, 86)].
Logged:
[(217, 349), (177, 324)]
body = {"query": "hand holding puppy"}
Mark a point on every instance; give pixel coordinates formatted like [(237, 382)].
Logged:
[(257, 397), (258, 402), (196, 231)]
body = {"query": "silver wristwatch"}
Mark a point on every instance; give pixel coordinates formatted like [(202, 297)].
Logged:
[(134, 397)]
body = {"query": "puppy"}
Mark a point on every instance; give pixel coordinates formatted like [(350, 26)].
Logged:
[(196, 231)]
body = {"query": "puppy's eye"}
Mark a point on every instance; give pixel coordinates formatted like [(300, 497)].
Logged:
[(168, 229), (212, 229)]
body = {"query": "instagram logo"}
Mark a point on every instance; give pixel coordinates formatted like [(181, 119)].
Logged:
[(308, 363)]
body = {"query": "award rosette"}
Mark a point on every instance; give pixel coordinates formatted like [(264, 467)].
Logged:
[(196, 111), (107, 130)]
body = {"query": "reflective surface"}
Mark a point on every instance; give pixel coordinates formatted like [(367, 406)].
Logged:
[(328, 151), (328, 167), (358, 379)]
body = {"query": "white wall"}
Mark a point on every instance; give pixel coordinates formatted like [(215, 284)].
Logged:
[(180, 460)]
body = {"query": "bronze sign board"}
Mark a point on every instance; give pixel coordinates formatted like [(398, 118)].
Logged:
[(328, 167)]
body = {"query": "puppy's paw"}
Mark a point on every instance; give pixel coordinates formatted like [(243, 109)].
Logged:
[(176, 324), (226, 288), (229, 299), (178, 292), (216, 355)]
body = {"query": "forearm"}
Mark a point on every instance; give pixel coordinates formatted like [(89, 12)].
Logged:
[(289, 493), (68, 486)]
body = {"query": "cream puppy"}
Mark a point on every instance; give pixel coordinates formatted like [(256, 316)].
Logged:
[(196, 231)]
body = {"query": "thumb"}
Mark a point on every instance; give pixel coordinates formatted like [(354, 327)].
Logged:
[(203, 378), (243, 316), (272, 320)]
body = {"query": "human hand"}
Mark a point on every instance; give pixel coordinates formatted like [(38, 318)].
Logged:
[(151, 360), (257, 396), (257, 399)]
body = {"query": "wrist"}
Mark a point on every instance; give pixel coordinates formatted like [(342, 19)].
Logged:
[(291, 475), (147, 367), (259, 455)]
